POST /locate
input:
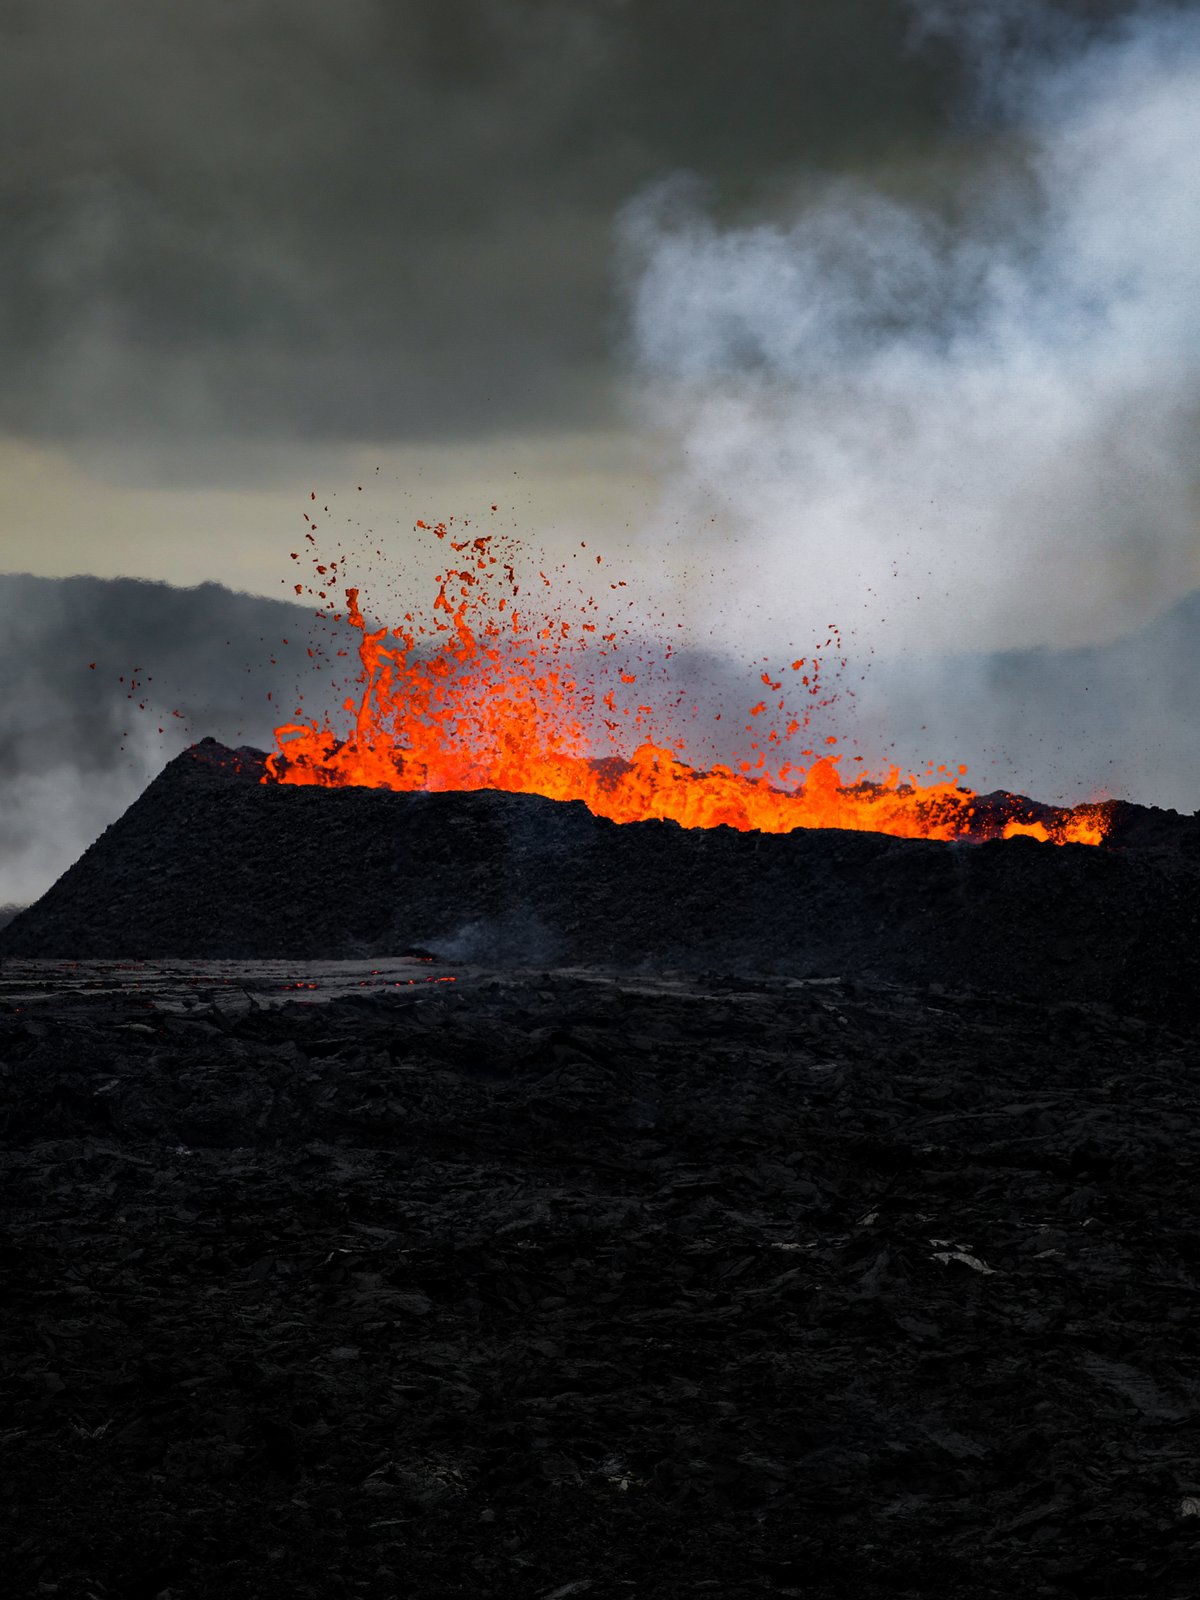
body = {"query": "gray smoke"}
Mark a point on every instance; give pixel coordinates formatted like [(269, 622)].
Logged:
[(956, 410), (75, 749)]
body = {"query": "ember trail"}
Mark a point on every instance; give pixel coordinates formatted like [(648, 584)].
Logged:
[(506, 685)]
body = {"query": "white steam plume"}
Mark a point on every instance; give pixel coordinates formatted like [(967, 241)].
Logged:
[(977, 419)]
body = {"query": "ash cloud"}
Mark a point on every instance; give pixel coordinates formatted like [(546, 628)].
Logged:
[(957, 409)]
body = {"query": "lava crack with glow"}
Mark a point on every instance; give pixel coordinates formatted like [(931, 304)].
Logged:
[(531, 693)]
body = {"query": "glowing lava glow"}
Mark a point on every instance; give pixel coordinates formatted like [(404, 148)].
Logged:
[(489, 691)]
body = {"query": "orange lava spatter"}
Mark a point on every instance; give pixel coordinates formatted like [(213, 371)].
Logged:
[(489, 690)]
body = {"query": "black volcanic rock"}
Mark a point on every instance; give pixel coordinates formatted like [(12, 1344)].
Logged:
[(537, 1285), (211, 862)]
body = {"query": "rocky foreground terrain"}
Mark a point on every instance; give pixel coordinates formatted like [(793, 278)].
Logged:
[(613, 1266)]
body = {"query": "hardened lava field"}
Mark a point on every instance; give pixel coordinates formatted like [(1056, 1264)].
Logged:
[(462, 1194)]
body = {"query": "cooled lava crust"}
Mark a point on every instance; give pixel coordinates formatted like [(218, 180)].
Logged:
[(542, 1285)]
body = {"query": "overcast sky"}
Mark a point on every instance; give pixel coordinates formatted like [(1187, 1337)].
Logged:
[(378, 221), (734, 282)]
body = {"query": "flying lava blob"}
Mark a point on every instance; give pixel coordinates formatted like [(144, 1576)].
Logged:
[(505, 684)]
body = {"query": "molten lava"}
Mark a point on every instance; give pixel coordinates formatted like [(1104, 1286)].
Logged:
[(490, 692)]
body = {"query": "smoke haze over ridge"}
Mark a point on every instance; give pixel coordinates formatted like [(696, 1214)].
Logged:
[(1062, 726), (75, 750)]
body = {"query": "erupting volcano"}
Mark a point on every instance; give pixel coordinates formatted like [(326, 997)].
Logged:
[(504, 685)]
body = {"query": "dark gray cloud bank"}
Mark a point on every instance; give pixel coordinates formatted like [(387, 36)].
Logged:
[(372, 220)]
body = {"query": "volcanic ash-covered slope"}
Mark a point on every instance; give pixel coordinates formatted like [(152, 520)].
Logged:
[(210, 862)]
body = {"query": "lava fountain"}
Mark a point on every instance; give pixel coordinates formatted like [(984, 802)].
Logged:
[(503, 685)]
